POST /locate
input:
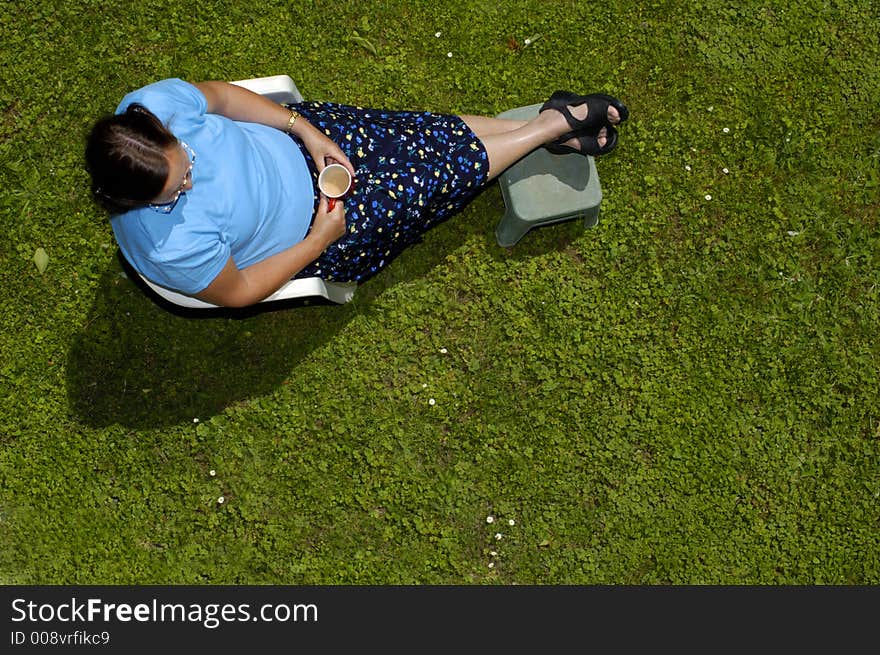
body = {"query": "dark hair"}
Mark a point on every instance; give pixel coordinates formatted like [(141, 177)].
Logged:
[(125, 155)]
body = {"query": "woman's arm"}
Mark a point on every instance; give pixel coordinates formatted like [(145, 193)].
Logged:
[(235, 287), (241, 104)]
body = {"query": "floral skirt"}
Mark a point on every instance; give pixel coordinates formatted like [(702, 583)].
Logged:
[(413, 170)]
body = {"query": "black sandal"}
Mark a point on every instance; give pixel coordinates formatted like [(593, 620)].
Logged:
[(597, 109), (589, 143)]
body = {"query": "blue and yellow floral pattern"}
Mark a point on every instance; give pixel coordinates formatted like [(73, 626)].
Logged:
[(413, 171)]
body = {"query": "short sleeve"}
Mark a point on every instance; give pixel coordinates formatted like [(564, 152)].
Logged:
[(193, 265), (171, 100)]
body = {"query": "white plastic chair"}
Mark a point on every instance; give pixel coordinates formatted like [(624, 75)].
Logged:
[(281, 89)]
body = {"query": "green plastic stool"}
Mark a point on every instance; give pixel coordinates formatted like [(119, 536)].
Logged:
[(543, 188)]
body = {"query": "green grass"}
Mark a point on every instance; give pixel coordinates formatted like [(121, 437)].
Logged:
[(686, 393)]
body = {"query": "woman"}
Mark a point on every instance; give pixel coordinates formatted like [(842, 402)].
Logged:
[(212, 188)]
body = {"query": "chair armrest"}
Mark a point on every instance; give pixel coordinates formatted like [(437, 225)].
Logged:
[(338, 292), (278, 88)]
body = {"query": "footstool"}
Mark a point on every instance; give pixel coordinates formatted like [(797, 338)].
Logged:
[(543, 188)]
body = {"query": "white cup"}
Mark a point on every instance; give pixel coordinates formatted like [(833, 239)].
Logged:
[(334, 182)]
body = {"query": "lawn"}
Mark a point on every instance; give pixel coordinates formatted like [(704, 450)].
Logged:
[(686, 393)]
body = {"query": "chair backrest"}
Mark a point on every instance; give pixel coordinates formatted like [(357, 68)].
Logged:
[(281, 89)]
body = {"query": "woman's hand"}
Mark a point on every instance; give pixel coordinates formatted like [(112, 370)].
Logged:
[(323, 150), (328, 227)]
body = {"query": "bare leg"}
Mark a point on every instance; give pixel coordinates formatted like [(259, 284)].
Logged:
[(483, 125), (516, 139)]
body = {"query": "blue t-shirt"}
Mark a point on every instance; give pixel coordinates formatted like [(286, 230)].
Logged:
[(252, 195)]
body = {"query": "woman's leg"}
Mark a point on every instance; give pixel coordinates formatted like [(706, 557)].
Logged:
[(508, 141), (484, 125)]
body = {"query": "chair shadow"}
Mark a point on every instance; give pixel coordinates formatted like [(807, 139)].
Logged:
[(143, 363)]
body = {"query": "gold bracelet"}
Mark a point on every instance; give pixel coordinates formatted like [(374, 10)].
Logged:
[(291, 121)]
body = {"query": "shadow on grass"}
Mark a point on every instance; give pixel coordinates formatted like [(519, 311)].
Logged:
[(142, 363)]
